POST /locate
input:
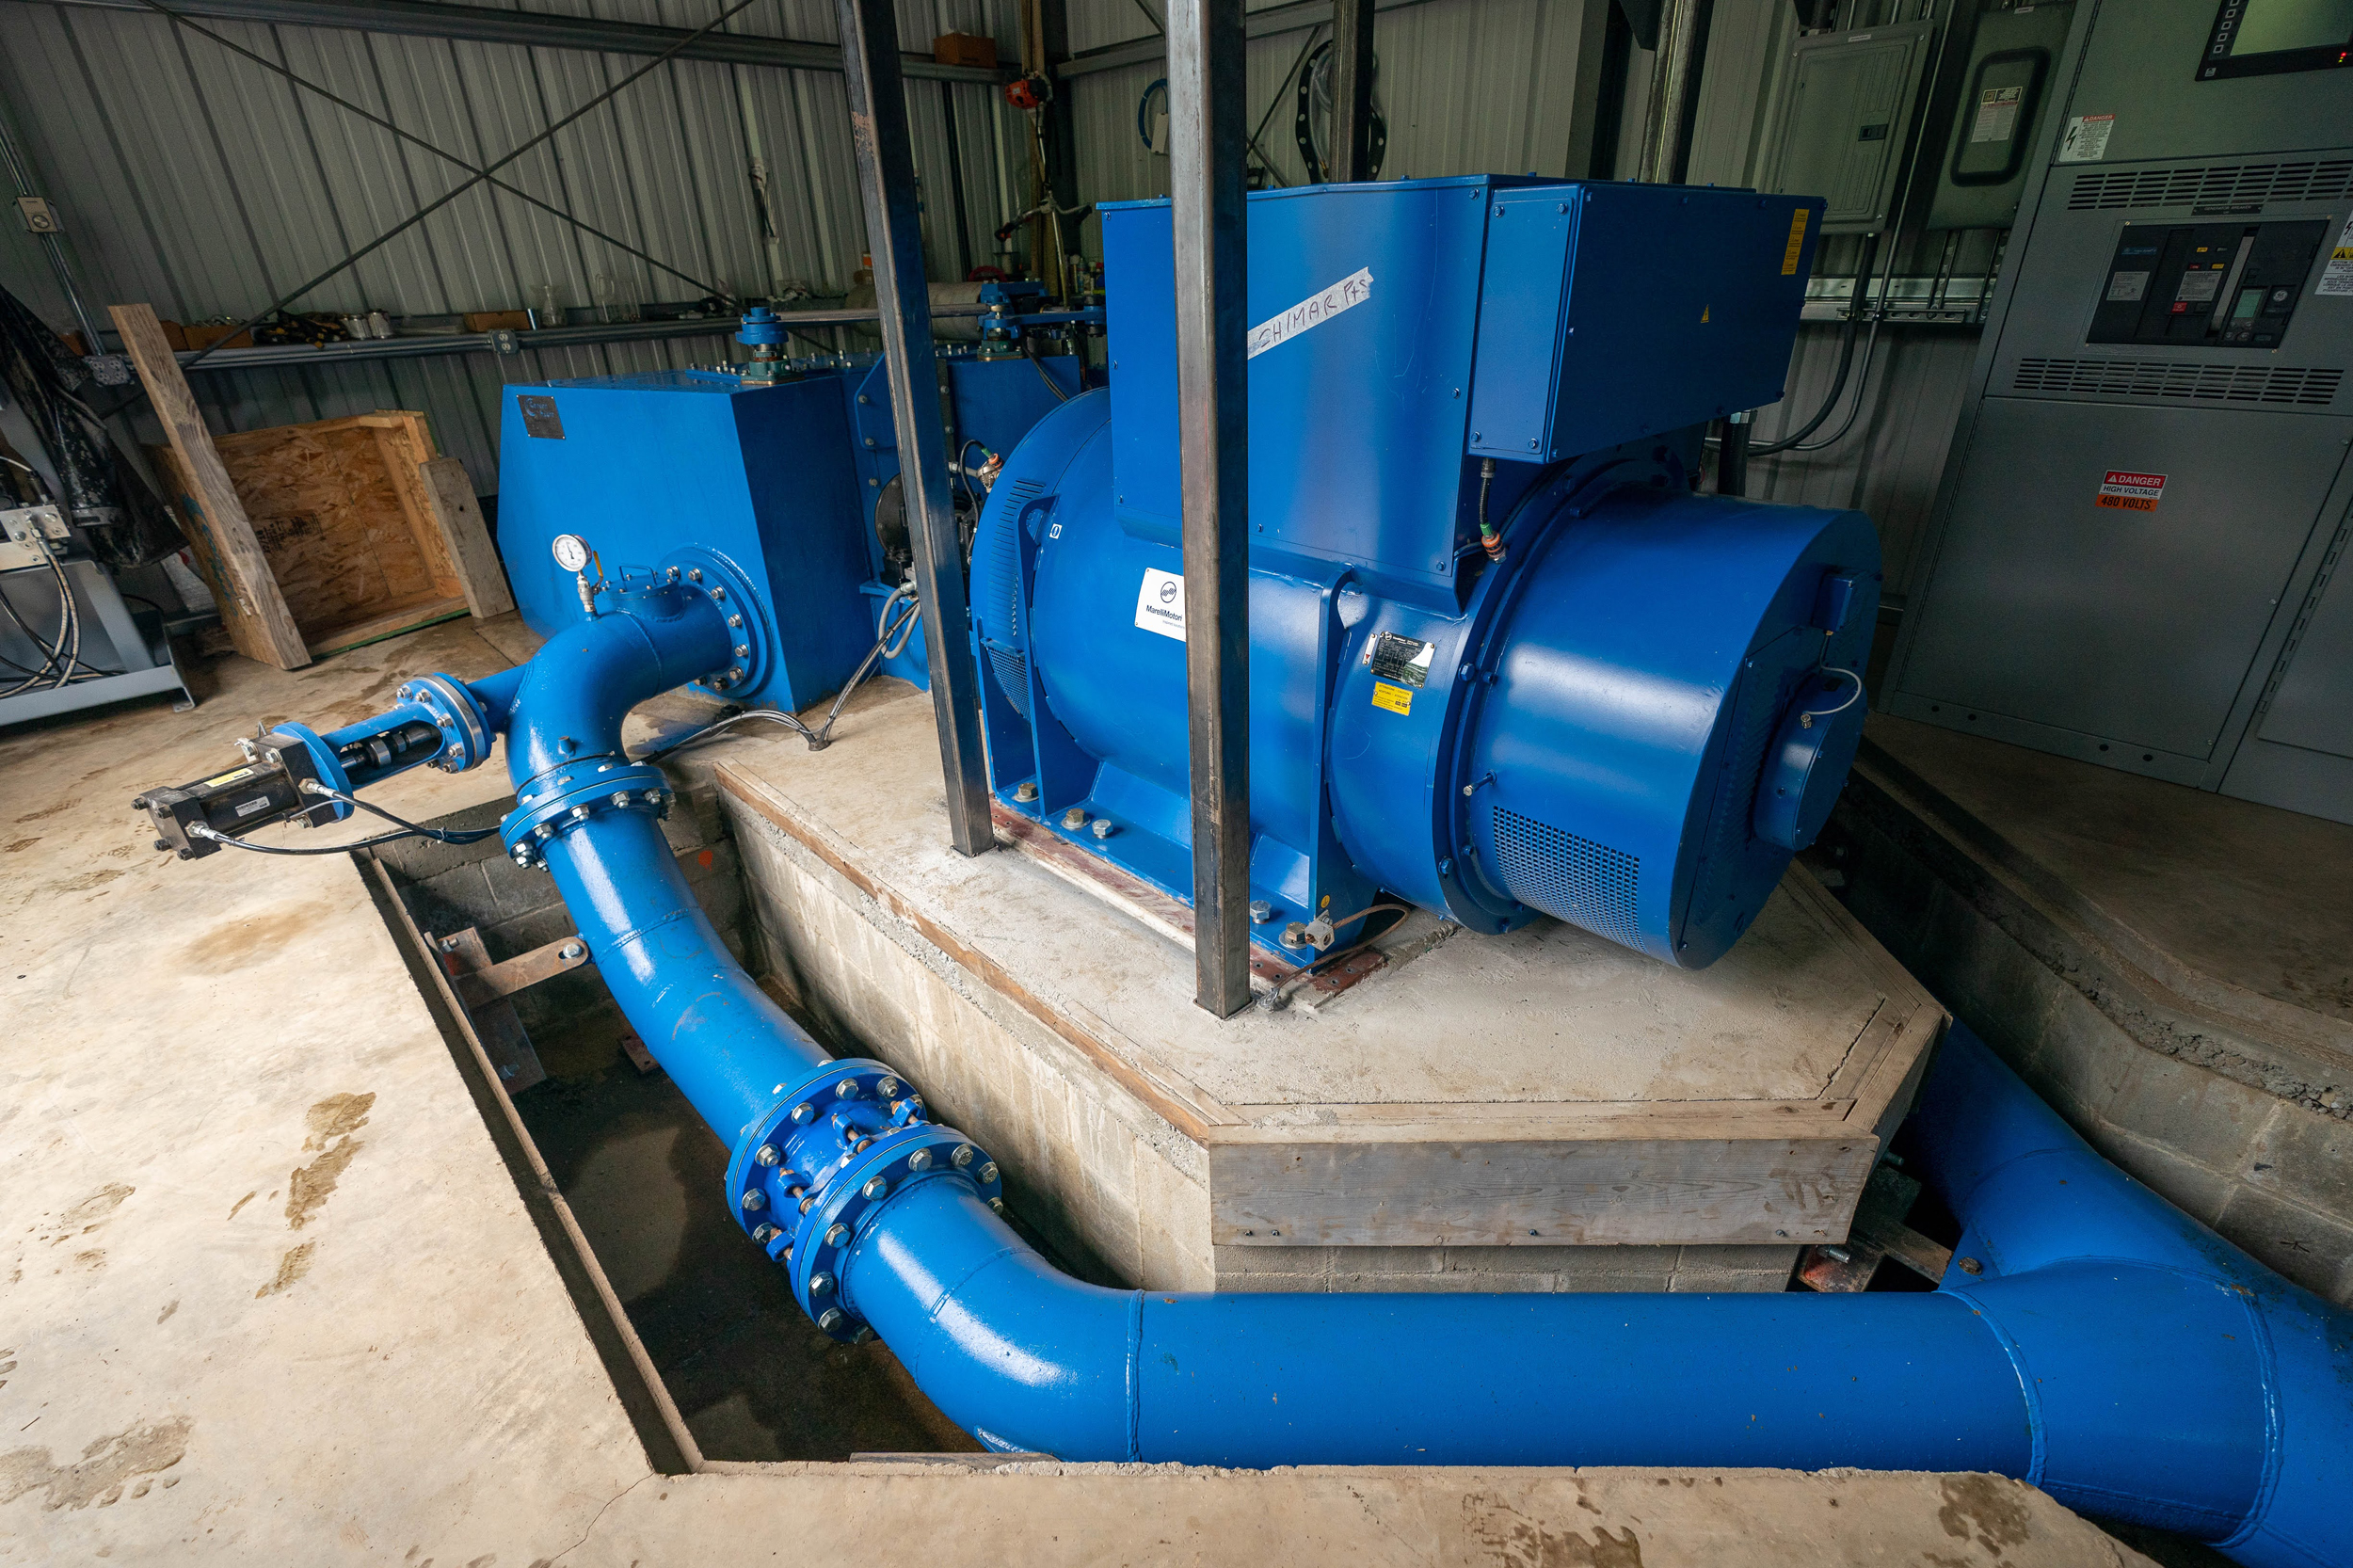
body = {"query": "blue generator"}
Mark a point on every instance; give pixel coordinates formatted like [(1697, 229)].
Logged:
[(1503, 661), (790, 479)]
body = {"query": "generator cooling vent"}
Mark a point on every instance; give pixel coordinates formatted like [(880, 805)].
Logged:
[(998, 594), (1570, 878), (2275, 385), (2211, 184)]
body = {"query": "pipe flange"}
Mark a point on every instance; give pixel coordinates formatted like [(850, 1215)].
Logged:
[(466, 733), (282, 742), (832, 1148), (752, 636), (558, 801), (909, 1156)]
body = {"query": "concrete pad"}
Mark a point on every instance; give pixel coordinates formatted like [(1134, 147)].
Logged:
[(1542, 1092)]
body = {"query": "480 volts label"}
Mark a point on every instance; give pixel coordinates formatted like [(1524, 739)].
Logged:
[(2134, 492)]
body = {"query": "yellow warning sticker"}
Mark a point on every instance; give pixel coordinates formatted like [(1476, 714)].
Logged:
[(1797, 242), (1397, 700), (227, 777)]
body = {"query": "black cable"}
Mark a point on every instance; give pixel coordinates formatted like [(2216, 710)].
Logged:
[(1845, 356), (201, 830), (438, 835), (821, 737), (1030, 352)]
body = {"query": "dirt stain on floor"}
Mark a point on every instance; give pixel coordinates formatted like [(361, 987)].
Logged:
[(333, 1122), (1988, 1507), (129, 1459), (291, 1268), (1514, 1538), (249, 942), (48, 812)]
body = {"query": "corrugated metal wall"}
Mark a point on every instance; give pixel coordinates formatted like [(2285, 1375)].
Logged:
[(205, 185)]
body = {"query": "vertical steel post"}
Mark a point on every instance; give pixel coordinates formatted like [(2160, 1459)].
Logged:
[(894, 235), (1352, 90), (1207, 133), (1675, 90)]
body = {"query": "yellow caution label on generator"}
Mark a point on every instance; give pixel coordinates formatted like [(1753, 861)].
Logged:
[(1397, 700), (1797, 242)]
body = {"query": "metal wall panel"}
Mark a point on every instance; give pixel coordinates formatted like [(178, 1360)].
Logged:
[(206, 186)]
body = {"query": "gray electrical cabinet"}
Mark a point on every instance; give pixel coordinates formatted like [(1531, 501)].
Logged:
[(2133, 558), (1846, 123), (2005, 87)]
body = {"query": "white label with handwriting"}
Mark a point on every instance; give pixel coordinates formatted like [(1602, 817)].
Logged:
[(1314, 311)]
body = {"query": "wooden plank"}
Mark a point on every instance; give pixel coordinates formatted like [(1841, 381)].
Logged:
[(1588, 1193), (253, 610), (391, 623), (449, 492), (402, 444), (503, 1040)]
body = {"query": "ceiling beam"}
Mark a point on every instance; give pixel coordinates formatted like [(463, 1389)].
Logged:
[(538, 30), (1295, 17)]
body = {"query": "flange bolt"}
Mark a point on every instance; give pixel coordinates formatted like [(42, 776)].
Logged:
[(767, 1155), (987, 1172), (1260, 911), (963, 1156), (846, 1089), (919, 1161), (837, 1235), (997, 1204), (830, 1319), (876, 1188), (819, 1284), (887, 1088), (804, 1114), (754, 1201), (1075, 818), (761, 1233)]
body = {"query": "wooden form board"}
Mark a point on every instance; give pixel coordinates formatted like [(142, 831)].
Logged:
[(366, 532), (253, 610)]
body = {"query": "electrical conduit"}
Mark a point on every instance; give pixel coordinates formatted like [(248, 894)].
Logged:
[(2110, 1349)]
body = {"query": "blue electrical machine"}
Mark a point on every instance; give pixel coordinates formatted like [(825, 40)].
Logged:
[(1503, 661), (786, 468)]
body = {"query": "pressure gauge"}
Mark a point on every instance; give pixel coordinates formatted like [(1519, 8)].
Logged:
[(571, 552)]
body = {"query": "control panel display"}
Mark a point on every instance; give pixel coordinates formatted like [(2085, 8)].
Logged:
[(2216, 285), (2261, 38)]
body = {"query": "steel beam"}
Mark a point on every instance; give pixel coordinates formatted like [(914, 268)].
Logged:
[(1352, 91), (1207, 131), (1674, 92), (894, 234), (1297, 17), (541, 30)]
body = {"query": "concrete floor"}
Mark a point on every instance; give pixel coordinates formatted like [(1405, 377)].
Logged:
[(271, 1293)]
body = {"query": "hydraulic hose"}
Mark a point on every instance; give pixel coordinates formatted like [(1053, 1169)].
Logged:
[(2089, 1338), (1856, 306)]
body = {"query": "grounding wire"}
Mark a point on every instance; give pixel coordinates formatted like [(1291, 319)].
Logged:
[(438, 835)]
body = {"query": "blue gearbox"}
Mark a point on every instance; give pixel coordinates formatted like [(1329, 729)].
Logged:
[(1503, 661)]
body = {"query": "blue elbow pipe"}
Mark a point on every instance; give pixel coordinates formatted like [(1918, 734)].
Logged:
[(2090, 1339)]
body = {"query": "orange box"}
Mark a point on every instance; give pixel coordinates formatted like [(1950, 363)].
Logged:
[(490, 320), (965, 49), (204, 337)]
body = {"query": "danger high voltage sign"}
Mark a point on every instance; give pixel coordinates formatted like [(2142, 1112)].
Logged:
[(2135, 492)]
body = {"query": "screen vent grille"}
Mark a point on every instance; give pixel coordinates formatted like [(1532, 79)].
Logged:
[(999, 591), (1570, 878), (2261, 384), (2211, 184)]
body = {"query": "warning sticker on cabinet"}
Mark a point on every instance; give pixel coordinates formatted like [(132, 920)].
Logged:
[(2336, 276), (1161, 603), (2134, 492), (1997, 114), (1797, 242), (1397, 700), (2087, 138)]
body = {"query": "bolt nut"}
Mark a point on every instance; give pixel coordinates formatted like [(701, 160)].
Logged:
[(653, 797), (1260, 911), (1075, 818), (620, 797), (544, 833), (846, 1089), (693, 574), (580, 813), (997, 1204), (889, 1088), (735, 620), (766, 1154), (742, 650), (831, 1318), (963, 1156), (876, 1188), (754, 1201), (837, 1235), (1971, 1265), (1104, 827), (804, 1114), (919, 1161), (761, 1233), (819, 1284), (569, 951), (988, 1171), (1026, 791)]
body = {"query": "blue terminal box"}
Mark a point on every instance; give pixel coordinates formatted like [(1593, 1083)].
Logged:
[(782, 478)]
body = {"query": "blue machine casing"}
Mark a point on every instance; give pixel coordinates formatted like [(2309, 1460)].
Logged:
[(780, 478), (1585, 728)]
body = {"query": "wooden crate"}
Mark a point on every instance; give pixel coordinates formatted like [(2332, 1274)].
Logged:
[(366, 532)]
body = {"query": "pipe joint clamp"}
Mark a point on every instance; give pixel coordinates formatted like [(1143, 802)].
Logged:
[(832, 1150), (466, 733), (558, 802)]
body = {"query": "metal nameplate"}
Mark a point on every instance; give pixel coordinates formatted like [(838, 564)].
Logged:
[(539, 417), (1401, 659)]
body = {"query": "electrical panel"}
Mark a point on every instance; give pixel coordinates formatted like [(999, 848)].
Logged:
[(2135, 557), (2005, 89), (1847, 125)]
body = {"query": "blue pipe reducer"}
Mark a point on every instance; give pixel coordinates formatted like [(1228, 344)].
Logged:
[(1599, 681)]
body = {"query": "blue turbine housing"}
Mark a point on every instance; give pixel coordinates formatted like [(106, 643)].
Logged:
[(1627, 712)]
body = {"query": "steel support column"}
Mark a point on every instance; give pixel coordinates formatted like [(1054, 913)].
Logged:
[(1207, 131), (1352, 90), (1674, 92), (894, 234)]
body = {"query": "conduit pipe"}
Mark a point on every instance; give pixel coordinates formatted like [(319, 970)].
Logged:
[(2104, 1347)]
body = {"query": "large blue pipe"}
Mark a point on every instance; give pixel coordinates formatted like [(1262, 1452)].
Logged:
[(2104, 1346)]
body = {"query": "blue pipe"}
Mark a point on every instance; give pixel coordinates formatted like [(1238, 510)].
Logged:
[(2104, 1346)]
